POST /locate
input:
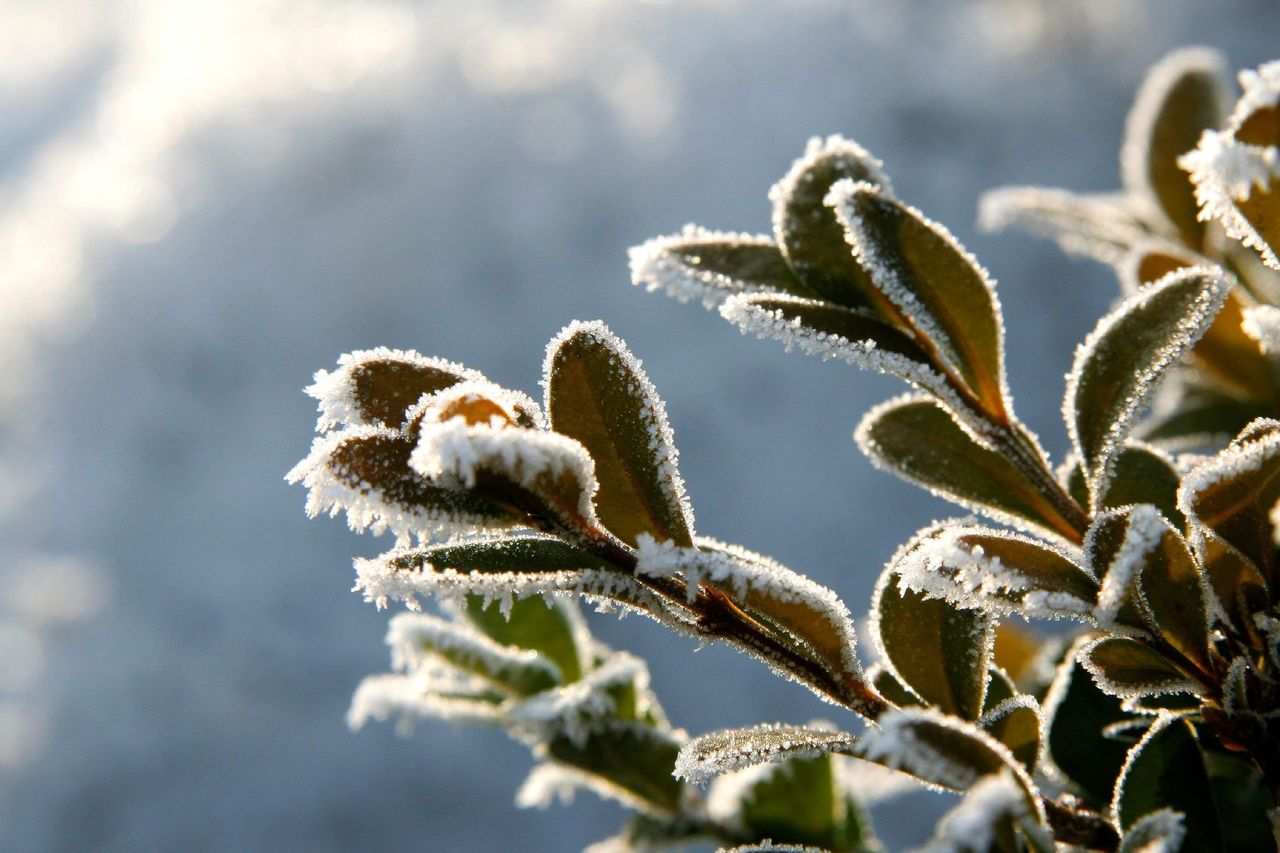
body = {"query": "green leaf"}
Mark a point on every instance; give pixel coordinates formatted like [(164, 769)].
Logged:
[(1077, 713), (935, 286), (801, 801), (916, 439), (1121, 363), (598, 395), (1166, 770), (711, 266), (547, 627), (634, 760), (1230, 496), (710, 755), (1206, 423), (807, 230), (890, 687), (1242, 797), (1124, 667), (1016, 722), (1104, 227), (939, 651), (1183, 96)]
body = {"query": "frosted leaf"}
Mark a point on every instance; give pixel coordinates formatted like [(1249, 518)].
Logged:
[(807, 230), (1120, 364), (597, 393), (382, 697), (1166, 770), (943, 751), (849, 335), (993, 803), (997, 571), (365, 472), (810, 612), (549, 783), (1262, 323), (1151, 260), (375, 387), (421, 642), (1226, 174), (625, 761), (1184, 94), (919, 441), (512, 568), (939, 652), (712, 265), (1103, 227), (1159, 832), (557, 471), (1018, 724), (770, 847), (934, 285), (571, 710), (707, 756), (1125, 668)]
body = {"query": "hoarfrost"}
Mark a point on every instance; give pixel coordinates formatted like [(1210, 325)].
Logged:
[(1158, 832), (451, 453), (448, 403), (571, 709), (1130, 689), (939, 563), (656, 266), (705, 757), (1122, 582), (815, 150), (336, 390), (1233, 462), (1261, 91), (549, 783), (1262, 323), (1224, 172), (1097, 226), (410, 699)]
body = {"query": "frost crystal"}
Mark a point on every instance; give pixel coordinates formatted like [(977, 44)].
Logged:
[(409, 699), (550, 783), (1122, 582), (942, 563), (571, 710), (656, 265), (1261, 91), (1224, 172), (1262, 323), (815, 151), (451, 453), (710, 755)]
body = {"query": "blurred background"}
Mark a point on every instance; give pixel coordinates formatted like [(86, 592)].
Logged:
[(203, 203)]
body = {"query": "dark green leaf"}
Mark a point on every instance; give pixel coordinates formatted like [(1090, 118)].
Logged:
[(1078, 712), (1124, 667), (598, 395), (1167, 770), (1241, 794), (807, 230), (919, 441), (941, 652), (1142, 475), (710, 755), (1121, 363), (802, 802)]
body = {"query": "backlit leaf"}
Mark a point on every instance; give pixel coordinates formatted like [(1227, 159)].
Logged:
[(1077, 712), (1016, 723), (598, 394), (801, 801), (1142, 474), (1124, 667), (919, 441), (417, 639), (551, 628), (1120, 364), (937, 288), (941, 652), (1104, 227), (707, 756), (1166, 770), (634, 760)]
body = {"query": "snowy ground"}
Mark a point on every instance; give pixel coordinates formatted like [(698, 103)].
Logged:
[(203, 203)]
